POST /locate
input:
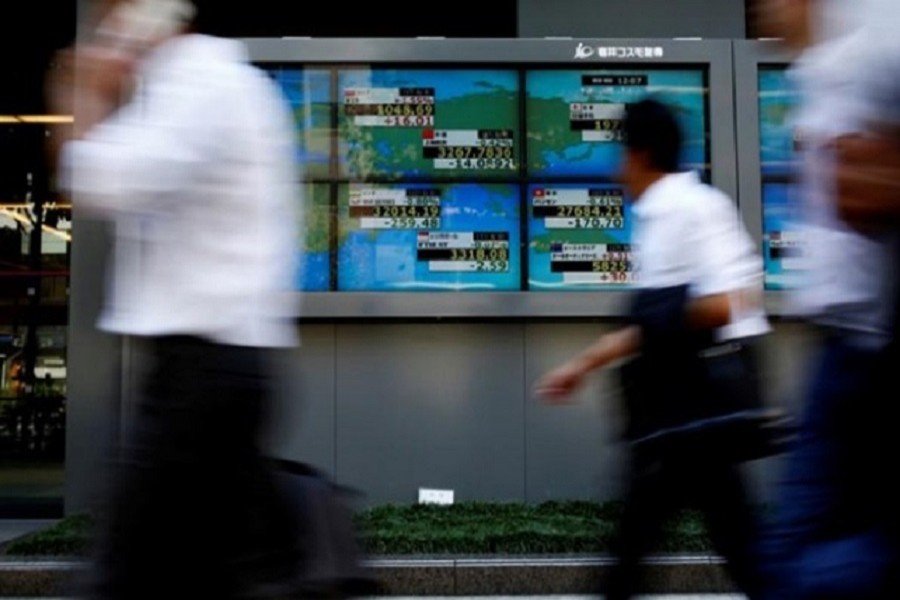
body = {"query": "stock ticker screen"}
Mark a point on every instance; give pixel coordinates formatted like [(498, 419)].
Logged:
[(420, 237), (574, 118), (314, 264), (579, 237), (425, 123), (784, 243), (309, 94), (473, 179), (579, 234)]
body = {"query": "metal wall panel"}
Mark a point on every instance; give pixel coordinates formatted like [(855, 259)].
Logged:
[(573, 450), (431, 405), (95, 374), (302, 418)]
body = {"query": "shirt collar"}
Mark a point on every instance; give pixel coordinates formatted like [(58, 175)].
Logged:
[(655, 198)]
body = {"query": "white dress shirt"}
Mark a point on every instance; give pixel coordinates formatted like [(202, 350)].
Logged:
[(850, 281), (198, 175), (687, 232)]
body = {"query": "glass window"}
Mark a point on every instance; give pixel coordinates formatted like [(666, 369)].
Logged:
[(35, 243)]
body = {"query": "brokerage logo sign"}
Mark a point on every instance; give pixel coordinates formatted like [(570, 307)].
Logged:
[(584, 51)]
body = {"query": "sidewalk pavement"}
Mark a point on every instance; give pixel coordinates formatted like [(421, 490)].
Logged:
[(651, 597), (422, 575), (447, 576), (646, 597)]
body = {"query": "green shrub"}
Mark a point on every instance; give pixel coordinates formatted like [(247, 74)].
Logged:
[(69, 537), (557, 527)]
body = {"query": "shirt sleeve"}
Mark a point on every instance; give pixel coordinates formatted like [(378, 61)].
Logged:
[(141, 156), (725, 256)]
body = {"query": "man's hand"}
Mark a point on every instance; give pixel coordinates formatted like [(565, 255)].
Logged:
[(868, 180), (89, 82), (557, 386), (60, 84)]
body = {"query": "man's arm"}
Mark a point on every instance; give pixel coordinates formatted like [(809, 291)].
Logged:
[(729, 270), (868, 179), (709, 312), (706, 312), (561, 382)]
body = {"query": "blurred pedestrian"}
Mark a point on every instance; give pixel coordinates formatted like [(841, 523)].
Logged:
[(835, 533), (188, 150), (691, 349)]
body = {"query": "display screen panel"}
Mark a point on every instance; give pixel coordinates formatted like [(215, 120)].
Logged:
[(777, 100), (428, 124), (467, 178), (574, 117), (784, 244), (579, 237), (309, 94), (428, 237), (314, 267)]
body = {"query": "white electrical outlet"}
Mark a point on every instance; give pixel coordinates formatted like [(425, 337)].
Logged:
[(432, 496)]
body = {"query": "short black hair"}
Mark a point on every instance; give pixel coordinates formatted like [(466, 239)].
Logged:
[(650, 126)]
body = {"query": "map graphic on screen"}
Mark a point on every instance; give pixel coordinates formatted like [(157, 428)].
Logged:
[(428, 237), (309, 94), (428, 123), (579, 237), (574, 117), (314, 269), (776, 139)]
